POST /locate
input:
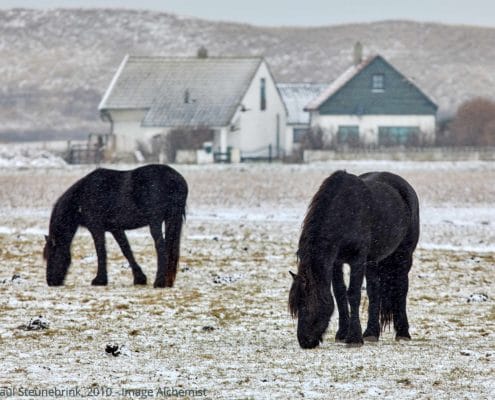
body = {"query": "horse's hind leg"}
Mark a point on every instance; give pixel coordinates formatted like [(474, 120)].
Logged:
[(161, 254), (121, 238), (401, 323), (101, 278), (372, 332), (339, 290)]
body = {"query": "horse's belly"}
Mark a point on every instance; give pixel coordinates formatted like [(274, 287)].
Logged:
[(381, 246), (125, 223)]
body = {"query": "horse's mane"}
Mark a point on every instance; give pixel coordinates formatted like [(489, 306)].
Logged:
[(317, 209), (64, 215), (310, 228)]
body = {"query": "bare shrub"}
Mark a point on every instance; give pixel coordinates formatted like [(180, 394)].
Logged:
[(474, 123), (313, 139), (185, 139)]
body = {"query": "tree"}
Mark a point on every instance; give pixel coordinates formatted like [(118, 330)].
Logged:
[(313, 139), (474, 123), (185, 138)]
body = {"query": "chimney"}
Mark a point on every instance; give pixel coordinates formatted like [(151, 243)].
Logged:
[(358, 53), (202, 52)]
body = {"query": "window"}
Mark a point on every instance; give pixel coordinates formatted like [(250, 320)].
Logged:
[(299, 134), (262, 94), (348, 134), (398, 135), (378, 83)]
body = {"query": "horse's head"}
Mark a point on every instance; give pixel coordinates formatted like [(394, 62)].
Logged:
[(311, 303), (57, 256)]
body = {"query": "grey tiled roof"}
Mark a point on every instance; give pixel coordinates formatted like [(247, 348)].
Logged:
[(338, 83), (296, 96), (181, 91)]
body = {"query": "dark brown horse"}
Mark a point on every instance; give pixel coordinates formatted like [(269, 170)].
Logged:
[(370, 222), (113, 201)]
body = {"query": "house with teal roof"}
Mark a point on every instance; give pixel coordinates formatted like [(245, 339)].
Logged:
[(372, 103)]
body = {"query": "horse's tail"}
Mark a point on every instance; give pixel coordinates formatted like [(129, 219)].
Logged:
[(173, 230)]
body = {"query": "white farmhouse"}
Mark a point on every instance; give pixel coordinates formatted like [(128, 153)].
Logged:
[(235, 97)]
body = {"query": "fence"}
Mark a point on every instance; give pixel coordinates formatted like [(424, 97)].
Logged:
[(403, 154), (84, 154), (262, 154)]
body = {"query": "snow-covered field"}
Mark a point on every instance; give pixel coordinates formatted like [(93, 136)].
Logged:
[(224, 328)]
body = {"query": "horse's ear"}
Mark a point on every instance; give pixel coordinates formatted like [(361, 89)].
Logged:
[(50, 240), (293, 275)]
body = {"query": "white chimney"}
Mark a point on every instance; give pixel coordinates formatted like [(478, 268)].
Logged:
[(358, 53)]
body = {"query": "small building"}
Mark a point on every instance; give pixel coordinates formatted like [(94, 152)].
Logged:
[(296, 96), (372, 103), (234, 97)]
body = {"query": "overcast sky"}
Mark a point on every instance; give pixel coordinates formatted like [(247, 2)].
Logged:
[(298, 12)]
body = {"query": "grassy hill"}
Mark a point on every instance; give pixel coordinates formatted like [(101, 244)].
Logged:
[(56, 64)]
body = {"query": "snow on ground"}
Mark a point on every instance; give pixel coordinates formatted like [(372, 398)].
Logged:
[(15, 157), (224, 327)]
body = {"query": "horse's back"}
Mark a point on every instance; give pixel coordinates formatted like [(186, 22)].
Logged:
[(131, 199), (395, 209), (400, 185), (146, 182), (157, 183), (397, 182)]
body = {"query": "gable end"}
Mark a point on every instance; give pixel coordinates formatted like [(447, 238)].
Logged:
[(378, 89)]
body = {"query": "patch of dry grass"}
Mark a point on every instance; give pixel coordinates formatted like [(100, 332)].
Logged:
[(249, 348)]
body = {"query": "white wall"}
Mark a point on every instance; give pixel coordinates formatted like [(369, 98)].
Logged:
[(368, 124), (128, 130), (259, 128)]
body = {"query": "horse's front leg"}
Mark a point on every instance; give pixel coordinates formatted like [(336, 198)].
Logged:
[(340, 292), (354, 334), (101, 278), (372, 332)]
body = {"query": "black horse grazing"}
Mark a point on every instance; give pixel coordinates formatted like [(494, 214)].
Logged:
[(112, 201), (370, 222)]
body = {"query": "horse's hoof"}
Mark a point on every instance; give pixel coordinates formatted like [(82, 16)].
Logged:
[(140, 280), (400, 338), (55, 284), (340, 336), (370, 339), (159, 284), (354, 341), (99, 282)]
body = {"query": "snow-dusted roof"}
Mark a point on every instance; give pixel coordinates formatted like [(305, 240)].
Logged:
[(338, 83), (296, 96), (181, 91)]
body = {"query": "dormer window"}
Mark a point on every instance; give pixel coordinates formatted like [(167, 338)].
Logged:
[(378, 83)]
